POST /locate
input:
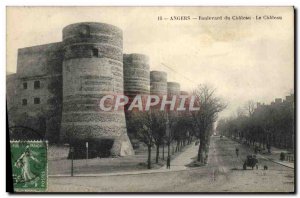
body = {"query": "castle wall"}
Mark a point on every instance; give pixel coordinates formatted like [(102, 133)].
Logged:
[(136, 82), (40, 60), (173, 88), (92, 68), (38, 107), (136, 74), (72, 77), (10, 90), (187, 103), (158, 83)]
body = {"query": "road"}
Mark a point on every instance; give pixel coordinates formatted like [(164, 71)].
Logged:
[(222, 174)]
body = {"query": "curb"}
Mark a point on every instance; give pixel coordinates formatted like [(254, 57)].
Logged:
[(276, 162)]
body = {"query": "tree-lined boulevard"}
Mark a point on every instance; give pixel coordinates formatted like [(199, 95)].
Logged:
[(200, 160), (223, 173)]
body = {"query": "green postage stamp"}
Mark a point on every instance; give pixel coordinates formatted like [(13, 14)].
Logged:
[(29, 165)]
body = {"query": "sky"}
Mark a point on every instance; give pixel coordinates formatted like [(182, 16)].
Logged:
[(243, 59)]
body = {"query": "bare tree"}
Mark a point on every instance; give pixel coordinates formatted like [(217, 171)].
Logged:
[(142, 127), (170, 131), (269, 125), (150, 128), (158, 127), (250, 107), (203, 119), (240, 112)]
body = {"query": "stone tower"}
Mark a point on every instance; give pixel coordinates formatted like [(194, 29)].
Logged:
[(93, 68), (136, 77), (158, 83), (173, 88), (136, 82), (136, 74)]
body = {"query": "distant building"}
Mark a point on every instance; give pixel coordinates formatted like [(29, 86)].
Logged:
[(290, 98), (276, 103), (278, 100)]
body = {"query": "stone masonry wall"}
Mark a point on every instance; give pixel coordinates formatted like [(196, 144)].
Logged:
[(92, 68)]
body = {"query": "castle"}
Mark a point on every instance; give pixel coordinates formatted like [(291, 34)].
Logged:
[(57, 88)]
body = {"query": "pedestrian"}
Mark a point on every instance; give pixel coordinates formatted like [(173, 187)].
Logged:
[(255, 149), (168, 162), (237, 151)]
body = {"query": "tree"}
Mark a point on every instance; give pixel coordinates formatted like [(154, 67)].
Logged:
[(149, 127), (267, 125), (158, 126), (171, 125), (203, 119), (141, 127), (250, 107)]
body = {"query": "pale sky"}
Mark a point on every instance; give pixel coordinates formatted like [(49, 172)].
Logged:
[(244, 60)]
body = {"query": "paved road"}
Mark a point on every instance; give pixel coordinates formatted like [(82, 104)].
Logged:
[(222, 174)]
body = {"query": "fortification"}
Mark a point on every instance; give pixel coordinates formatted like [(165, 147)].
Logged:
[(136, 82), (37, 98), (58, 86), (158, 83), (187, 103), (92, 68), (184, 93), (173, 88), (136, 74)]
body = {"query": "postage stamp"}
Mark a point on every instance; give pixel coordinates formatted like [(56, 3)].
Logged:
[(29, 165)]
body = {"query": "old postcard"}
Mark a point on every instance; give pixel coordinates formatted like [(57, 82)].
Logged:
[(150, 99)]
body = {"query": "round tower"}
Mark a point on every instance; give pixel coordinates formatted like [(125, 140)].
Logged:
[(186, 104), (136, 74), (93, 68), (136, 82), (184, 93), (173, 88), (158, 83), (136, 77)]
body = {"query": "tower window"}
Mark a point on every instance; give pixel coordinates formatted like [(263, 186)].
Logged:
[(84, 31), (37, 84), (37, 100), (24, 102), (25, 85), (95, 52)]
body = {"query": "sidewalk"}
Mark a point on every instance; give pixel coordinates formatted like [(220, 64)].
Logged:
[(177, 164), (182, 159), (274, 156), (275, 160)]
